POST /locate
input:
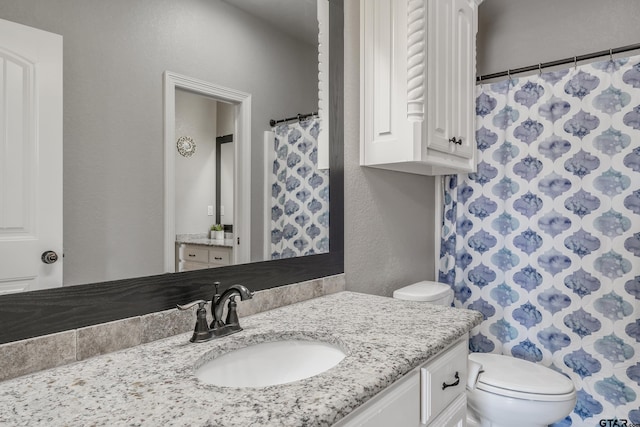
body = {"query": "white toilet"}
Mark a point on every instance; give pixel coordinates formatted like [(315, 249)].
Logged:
[(503, 391)]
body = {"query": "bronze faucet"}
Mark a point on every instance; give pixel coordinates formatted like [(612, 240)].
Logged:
[(218, 328)]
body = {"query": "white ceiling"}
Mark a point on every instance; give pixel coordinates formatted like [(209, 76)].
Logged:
[(298, 18)]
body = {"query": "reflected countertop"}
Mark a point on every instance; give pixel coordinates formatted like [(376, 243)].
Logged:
[(154, 384), (203, 239)]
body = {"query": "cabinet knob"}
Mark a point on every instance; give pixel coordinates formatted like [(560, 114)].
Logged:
[(456, 141)]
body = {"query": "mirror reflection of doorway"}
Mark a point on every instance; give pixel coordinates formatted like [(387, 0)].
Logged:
[(206, 182), (204, 193)]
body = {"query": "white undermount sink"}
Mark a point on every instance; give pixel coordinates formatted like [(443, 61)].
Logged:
[(270, 363)]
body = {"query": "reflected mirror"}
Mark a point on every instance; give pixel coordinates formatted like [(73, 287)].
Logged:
[(115, 57)]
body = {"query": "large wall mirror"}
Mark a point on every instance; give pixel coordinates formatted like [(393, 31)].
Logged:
[(115, 57), (255, 163)]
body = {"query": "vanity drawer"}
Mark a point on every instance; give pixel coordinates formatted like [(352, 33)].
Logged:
[(191, 266), (219, 256), (194, 254), (442, 381)]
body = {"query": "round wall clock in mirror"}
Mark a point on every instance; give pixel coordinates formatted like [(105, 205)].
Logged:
[(186, 146)]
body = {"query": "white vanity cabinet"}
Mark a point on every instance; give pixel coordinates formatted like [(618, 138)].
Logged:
[(419, 399), (198, 257), (417, 77)]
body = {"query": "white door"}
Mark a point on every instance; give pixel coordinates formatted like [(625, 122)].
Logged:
[(30, 158)]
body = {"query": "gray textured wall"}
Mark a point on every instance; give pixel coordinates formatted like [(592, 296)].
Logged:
[(389, 216), (519, 33), (115, 53)]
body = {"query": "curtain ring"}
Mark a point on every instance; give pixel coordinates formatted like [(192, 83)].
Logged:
[(611, 54), (575, 62), (540, 68), (509, 74)]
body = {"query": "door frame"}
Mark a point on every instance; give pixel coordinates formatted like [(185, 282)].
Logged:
[(242, 167)]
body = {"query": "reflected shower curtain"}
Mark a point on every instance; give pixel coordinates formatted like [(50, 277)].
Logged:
[(299, 192), (544, 239)]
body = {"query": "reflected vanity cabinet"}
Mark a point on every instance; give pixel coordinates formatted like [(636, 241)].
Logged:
[(417, 77), (198, 257)]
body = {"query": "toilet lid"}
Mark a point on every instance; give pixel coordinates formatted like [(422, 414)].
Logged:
[(515, 377), (423, 291)]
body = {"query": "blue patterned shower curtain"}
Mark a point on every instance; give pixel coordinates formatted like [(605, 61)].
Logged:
[(544, 239), (299, 192)]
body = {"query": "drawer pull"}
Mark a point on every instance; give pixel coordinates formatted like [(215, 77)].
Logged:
[(457, 377), (217, 257), (456, 140), (192, 255)]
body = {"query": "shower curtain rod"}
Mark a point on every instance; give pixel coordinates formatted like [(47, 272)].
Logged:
[(298, 117), (564, 61)]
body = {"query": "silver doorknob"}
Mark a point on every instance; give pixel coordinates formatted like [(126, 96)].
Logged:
[(49, 257)]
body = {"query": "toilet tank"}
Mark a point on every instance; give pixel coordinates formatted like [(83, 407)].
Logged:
[(426, 291)]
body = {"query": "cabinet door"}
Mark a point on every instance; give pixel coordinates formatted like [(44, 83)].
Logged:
[(440, 75), (454, 416), (464, 68), (383, 75), (451, 72), (397, 406)]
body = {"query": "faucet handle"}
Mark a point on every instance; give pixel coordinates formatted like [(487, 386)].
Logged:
[(201, 331), (232, 313), (201, 303)]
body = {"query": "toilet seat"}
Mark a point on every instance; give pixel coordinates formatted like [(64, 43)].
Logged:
[(520, 379), (527, 396)]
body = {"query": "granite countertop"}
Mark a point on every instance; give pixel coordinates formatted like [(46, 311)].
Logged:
[(203, 239), (153, 384)]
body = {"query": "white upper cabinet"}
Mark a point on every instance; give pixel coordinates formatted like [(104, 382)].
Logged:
[(417, 65)]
